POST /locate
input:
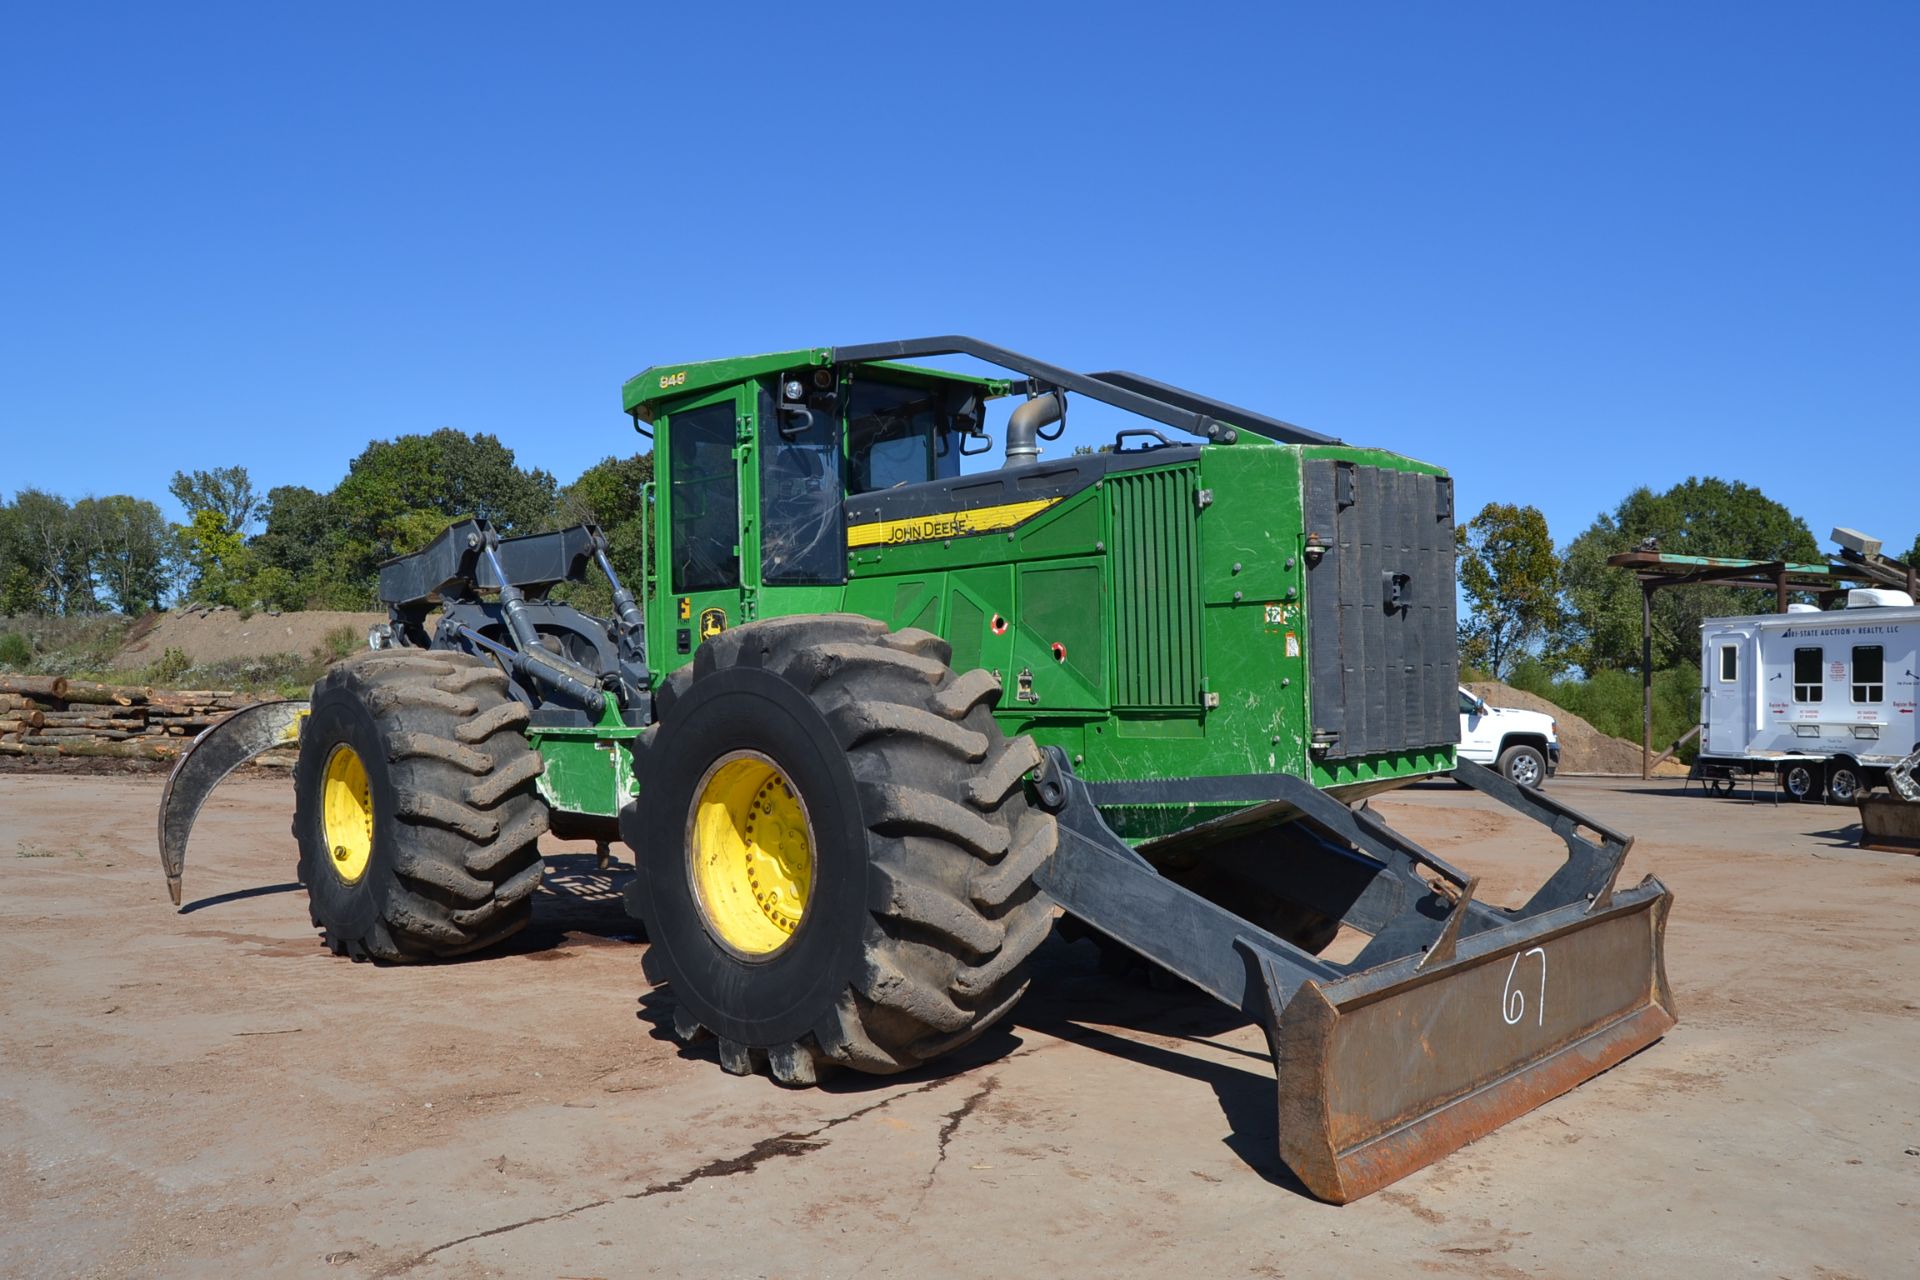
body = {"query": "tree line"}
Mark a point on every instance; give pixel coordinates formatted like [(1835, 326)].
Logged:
[(295, 547), (1528, 603), (1550, 610)]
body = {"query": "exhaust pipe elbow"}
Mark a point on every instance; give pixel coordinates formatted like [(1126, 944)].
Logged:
[(1023, 428)]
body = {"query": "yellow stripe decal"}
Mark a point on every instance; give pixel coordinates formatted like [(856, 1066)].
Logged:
[(945, 524)]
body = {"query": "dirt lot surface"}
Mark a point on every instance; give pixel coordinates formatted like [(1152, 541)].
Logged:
[(222, 635), (209, 1093)]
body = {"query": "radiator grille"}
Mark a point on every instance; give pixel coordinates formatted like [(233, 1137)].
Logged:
[(1156, 575)]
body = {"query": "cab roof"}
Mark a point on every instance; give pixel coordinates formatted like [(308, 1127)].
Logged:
[(662, 382)]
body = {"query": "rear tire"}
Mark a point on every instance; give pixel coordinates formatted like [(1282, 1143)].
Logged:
[(1524, 766), (450, 861), (919, 909), (1845, 784)]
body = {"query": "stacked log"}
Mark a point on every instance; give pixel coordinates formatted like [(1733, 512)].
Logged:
[(53, 716)]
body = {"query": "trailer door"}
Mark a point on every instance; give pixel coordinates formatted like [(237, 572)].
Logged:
[(1730, 674)]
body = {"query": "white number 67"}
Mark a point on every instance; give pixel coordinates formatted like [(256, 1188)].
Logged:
[(1513, 1002)]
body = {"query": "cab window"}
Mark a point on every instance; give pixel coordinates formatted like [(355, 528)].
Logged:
[(704, 498), (899, 435), (803, 528)]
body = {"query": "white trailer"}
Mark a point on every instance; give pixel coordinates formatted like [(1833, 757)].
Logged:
[(1825, 699)]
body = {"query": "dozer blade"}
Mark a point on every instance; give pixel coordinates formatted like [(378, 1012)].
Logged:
[(1456, 1016), (1384, 1072), (217, 752), (1889, 824)]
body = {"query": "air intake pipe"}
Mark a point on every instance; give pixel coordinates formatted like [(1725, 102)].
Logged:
[(1023, 428)]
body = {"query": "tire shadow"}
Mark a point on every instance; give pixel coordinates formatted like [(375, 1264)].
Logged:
[(577, 905), (238, 895)]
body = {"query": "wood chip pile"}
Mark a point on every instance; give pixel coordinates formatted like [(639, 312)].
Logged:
[(51, 716)]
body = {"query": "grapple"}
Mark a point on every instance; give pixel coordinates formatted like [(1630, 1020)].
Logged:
[(1454, 1018), (217, 752)]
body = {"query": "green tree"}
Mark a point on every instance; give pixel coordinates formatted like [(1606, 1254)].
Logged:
[(609, 493), (46, 556), (1511, 579), (226, 491), (218, 558), (299, 529), (135, 555), (1701, 516), (395, 498)]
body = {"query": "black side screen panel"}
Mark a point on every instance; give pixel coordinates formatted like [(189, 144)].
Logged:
[(1383, 653)]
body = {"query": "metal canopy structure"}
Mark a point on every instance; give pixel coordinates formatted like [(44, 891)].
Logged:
[(1857, 563)]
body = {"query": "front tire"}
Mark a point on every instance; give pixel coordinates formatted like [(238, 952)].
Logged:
[(1524, 766), (834, 848), (1801, 782), (415, 807)]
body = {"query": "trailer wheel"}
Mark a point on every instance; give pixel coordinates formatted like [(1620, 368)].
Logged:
[(415, 807), (1801, 782), (835, 851), (1523, 766), (1844, 784)]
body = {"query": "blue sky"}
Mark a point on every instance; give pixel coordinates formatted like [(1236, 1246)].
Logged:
[(1564, 251)]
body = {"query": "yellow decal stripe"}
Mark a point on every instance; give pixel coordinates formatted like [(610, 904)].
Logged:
[(945, 524)]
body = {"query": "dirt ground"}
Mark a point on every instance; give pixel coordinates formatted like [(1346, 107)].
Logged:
[(208, 1092)]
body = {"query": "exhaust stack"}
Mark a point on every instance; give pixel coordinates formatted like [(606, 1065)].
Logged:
[(1023, 428)]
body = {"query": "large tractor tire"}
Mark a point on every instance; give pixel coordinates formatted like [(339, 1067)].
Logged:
[(834, 847), (415, 807)]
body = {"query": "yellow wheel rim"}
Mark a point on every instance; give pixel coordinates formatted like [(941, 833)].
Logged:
[(750, 854), (346, 814)]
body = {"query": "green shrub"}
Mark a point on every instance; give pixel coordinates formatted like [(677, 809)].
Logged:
[(338, 643), (1610, 700), (168, 669), (14, 650)]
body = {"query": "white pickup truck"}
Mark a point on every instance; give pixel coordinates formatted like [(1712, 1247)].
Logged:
[(1523, 745)]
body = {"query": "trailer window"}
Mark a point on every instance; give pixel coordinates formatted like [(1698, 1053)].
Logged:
[(1729, 662), (1809, 681), (1869, 673), (704, 494)]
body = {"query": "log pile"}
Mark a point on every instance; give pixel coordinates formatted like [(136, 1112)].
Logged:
[(51, 716)]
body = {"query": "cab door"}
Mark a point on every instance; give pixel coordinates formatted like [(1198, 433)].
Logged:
[(700, 523)]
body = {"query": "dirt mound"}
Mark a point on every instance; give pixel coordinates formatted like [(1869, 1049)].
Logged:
[(221, 634), (1583, 748)]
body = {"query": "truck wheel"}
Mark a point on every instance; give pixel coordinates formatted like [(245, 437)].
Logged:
[(834, 851), (1801, 782), (1844, 784), (1524, 766), (415, 807)]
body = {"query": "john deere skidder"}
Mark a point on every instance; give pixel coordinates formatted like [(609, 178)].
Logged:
[(873, 717)]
